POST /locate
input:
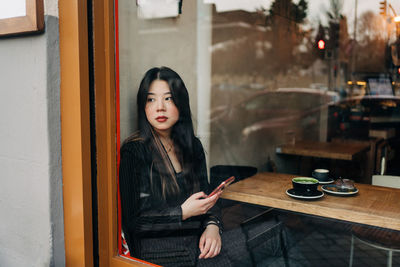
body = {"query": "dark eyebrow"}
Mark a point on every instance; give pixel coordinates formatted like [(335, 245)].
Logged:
[(167, 93)]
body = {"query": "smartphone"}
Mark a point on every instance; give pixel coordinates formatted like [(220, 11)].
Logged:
[(222, 186)]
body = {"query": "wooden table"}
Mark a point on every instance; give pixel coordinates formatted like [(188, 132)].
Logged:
[(328, 150), (373, 205), (348, 150)]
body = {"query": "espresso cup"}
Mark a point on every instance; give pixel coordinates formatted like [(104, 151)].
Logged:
[(321, 174), (305, 184)]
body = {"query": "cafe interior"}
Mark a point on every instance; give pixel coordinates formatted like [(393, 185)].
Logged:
[(284, 92)]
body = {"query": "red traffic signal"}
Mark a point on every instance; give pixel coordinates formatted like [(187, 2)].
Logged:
[(321, 44)]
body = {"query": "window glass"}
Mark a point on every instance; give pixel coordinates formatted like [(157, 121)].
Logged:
[(269, 75)]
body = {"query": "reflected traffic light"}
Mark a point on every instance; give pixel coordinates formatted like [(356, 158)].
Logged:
[(321, 44), (334, 34)]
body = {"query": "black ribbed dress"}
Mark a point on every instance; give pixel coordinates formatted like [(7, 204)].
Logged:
[(153, 227)]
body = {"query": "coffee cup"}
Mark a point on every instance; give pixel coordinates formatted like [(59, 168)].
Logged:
[(321, 174), (305, 184)]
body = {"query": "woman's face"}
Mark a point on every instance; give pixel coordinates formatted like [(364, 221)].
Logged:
[(160, 109)]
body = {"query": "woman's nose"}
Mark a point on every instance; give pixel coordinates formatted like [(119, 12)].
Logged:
[(160, 105)]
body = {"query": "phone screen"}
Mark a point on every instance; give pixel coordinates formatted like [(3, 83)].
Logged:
[(222, 186)]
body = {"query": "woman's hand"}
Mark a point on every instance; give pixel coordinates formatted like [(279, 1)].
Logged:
[(210, 242), (198, 204)]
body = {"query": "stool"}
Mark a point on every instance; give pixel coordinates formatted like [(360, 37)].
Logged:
[(380, 239)]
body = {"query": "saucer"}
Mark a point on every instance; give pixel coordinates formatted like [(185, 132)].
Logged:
[(331, 189), (310, 195), (325, 182), (330, 180)]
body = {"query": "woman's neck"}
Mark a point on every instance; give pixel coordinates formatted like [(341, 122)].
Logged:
[(169, 148), (166, 140), (164, 135)]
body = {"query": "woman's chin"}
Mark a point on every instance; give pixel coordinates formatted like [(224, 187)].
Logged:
[(162, 129)]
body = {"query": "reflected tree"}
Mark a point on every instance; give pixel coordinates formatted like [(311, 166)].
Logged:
[(335, 10), (371, 43), (345, 42), (283, 22), (262, 43)]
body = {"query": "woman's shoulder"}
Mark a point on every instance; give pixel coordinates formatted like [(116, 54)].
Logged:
[(197, 146), (196, 142), (134, 144)]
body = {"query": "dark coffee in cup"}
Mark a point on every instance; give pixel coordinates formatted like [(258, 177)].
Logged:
[(321, 174)]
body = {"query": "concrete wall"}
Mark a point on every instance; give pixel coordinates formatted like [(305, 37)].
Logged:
[(31, 228), (151, 43)]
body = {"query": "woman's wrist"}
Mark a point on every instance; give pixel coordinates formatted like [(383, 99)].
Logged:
[(213, 227), (184, 216), (212, 224)]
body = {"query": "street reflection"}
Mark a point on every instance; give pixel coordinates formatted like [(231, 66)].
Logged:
[(279, 75)]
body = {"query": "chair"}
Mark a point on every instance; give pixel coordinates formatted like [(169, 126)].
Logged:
[(264, 229), (220, 173), (259, 224), (233, 212), (386, 240)]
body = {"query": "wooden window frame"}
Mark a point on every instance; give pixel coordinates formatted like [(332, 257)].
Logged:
[(33, 21), (105, 40), (75, 131)]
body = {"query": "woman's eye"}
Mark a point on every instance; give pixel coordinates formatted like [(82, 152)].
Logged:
[(168, 98), (150, 99)]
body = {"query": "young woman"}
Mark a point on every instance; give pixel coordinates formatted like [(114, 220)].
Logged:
[(167, 217)]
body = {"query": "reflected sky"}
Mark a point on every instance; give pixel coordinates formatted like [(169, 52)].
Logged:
[(317, 9)]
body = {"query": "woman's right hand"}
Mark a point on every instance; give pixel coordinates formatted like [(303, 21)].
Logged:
[(198, 204)]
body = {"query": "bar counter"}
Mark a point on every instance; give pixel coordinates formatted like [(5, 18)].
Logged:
[(372, 205)]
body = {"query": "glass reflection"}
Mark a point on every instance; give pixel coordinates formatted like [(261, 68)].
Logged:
[(278, 73)]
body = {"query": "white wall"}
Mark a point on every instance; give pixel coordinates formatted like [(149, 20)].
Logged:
[(31, 228), (182, 43), (151, 43)]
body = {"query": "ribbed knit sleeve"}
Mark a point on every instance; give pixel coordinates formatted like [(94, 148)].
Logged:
[(200, 168), (129, 192)]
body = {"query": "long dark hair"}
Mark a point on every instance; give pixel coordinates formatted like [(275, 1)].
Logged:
[(182, 135)]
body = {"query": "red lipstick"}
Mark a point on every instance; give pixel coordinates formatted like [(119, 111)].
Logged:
[(161, 119)]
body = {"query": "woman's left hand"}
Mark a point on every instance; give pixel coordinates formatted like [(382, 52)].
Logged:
[(210, 242)]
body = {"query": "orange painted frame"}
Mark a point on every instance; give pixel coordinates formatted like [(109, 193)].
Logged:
[(75, 133), (106, 60), (75, 130), (33, 21)]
